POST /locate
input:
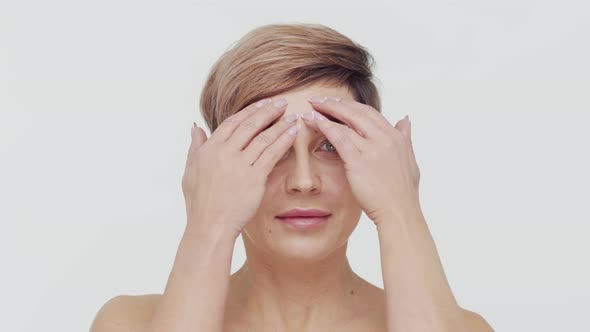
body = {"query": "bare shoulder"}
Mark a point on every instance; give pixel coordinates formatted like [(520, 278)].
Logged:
[(127, 313), (476, 322)]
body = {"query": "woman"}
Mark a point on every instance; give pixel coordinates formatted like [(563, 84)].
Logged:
[(298, 150)]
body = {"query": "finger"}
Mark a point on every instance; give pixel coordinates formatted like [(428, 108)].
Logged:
[(225, 130), (357, 140), (340, 136), (361, 119), (414, 161), (201, 137), (267, 137), (410, 137), (273, 153), (409, 129), (255, 123), (403, 126), (378, 117), (198, 138)]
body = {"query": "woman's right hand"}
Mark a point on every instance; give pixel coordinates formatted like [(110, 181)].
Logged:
[(225, 175)]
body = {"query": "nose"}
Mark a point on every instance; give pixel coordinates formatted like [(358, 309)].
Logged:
[(301, 177), (301, 170)]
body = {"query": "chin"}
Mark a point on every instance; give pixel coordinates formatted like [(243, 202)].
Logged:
[(304, 246), (307, 244), (308, 249)]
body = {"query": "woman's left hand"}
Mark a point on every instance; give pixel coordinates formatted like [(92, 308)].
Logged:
[(378, 158)]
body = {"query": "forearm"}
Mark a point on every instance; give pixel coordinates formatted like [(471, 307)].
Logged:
[(418, 295), (195, 294)]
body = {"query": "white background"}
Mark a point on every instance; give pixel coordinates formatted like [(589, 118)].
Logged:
[(97, 99)]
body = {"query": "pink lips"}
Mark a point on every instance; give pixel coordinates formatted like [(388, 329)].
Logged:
[(299, 212), (303, 219)]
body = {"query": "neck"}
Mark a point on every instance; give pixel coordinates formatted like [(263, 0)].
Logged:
[(290, 294)]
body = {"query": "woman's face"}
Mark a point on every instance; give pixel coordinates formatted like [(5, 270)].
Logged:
[(310, 175)]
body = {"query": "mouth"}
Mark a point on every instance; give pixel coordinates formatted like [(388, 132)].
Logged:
[(304, 212), (304, 218), (304, 223)]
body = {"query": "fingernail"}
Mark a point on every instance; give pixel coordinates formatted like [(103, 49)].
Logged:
[(280, 102), (318, 116), (262, 102), (316, 99), (307, 116), (290, 117), (293, 130), (334, 98)]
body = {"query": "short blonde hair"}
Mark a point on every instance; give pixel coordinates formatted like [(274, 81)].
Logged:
[(275, 58)]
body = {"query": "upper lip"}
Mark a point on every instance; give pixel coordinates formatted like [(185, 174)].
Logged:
[(299, 212)]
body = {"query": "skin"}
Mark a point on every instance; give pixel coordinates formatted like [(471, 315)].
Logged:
[(301, 280)]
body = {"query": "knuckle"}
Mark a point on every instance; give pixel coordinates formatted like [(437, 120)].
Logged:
[(248, 124), (359, 114), (230, 120), (263, 139), (271, 151), (330, 125), (369, 108), (228, 123), (369, 111)]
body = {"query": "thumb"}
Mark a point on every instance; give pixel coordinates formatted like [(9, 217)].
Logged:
[(409, 128), (403, 126), (198, 137)]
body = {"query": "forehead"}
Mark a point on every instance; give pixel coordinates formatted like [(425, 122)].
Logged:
[(297, 98), (320, 88)]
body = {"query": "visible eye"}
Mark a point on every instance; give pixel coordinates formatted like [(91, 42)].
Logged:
[(331, 148)]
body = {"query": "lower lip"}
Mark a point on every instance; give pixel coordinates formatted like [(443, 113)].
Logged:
[(304, 223)]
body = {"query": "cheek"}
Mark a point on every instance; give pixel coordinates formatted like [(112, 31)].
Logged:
[(272, 185), (346, 199), (337, 182)]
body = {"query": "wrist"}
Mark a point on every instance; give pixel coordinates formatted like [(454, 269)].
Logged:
[(204, 250), (204, 228), (399, 216)]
